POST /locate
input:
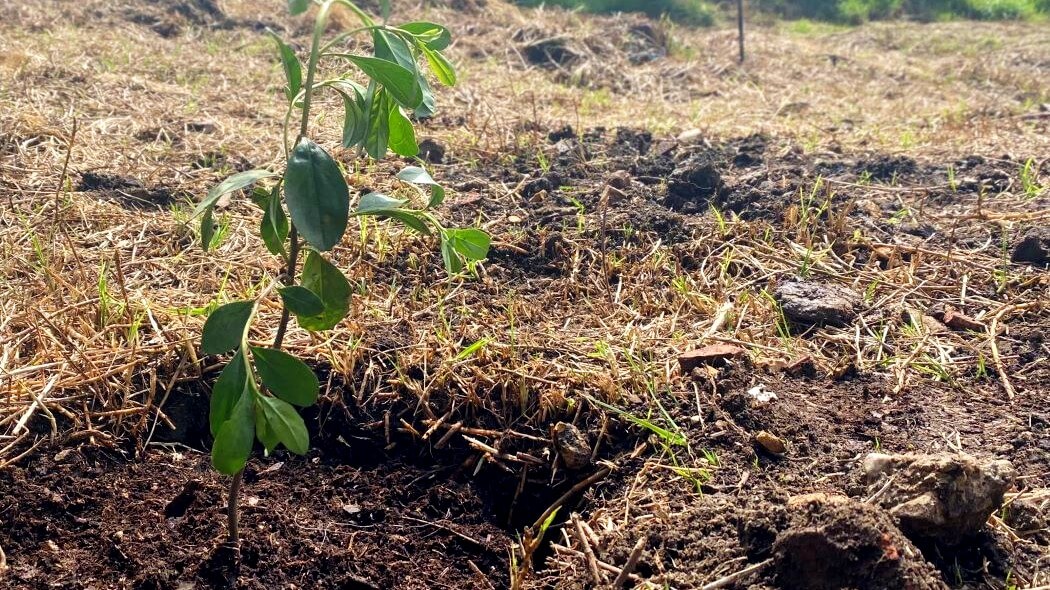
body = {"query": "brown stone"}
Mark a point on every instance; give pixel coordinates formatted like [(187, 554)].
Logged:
[(708, 355)]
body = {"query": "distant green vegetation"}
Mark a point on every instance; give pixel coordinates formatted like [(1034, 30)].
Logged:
[(703, 13), (858, 11), (687, 12)]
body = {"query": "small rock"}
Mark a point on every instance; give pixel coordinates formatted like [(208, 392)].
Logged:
[(572, 445), (830, 542), (813, 303), (1033, 247), (940, 497), (690, 137), (770, 442), (432, 151), (619, 180), (715, 354)]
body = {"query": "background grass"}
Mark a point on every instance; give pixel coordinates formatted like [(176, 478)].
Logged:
[(703, 13)]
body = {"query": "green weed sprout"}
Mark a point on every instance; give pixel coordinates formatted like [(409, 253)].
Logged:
[(257, 393)]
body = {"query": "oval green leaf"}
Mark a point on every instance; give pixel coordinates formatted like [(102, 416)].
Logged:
[(293, 70), (233, 183), (402, 135), (329, 284), (301, 301), (233, 443), (226, 392), (224, 329), (286, 424), (399, 82), (441, 67), (317, 195), (433, 35), (286, 376)]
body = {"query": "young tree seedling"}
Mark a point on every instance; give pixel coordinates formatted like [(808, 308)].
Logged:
[(256, 395)]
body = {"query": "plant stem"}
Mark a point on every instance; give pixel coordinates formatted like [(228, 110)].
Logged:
[(233, 519), (232, 515), (289, 279)]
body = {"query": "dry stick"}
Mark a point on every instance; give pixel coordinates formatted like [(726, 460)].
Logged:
[(592, 561), (632, 562), (62, 177), (993, 328), (612, 569), (723, 582), (740, 26), (598, 476)]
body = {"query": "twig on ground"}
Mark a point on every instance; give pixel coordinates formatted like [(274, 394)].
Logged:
[(632, 562), (727, 580)]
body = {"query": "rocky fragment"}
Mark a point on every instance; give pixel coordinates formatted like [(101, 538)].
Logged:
[(714, 354), (770, 442), (831, 542), (955, 319), (572, 445), (1033, 247), (693, 184), (814, 303), (942, 497)]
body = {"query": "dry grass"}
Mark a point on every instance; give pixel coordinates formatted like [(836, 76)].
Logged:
[(102, 301)]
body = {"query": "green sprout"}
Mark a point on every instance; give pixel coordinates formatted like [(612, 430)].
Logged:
[(306, 210)]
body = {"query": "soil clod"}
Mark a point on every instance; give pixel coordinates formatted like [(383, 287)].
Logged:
[(813, 303), (694, 183), (833, 542), (938, 497), (1033, 247)]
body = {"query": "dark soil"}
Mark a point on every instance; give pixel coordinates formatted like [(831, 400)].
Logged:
[(95, 520)]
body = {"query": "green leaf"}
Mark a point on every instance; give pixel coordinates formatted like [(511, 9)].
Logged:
[(441, 67), (224, 329), (263, 432), (293, 70), (317, 195), (377, 204), (207, 229), (226, 392), (233, 183), (380, 205), (402, 136), (274, 228), (286, 424), (434, 36), (301, 301), (378, 134), (428, 107), (298, 6), (453, 264), (355, 123), (417, 175), (399, 82), (233, 443), (286, 376), (329, 284), (393, 48), (470, 242), (384, 8)]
